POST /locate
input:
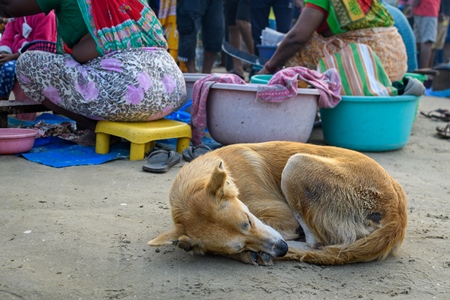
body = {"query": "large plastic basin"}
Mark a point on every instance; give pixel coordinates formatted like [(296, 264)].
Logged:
[(369, 123), (190, 79), (234, 115)]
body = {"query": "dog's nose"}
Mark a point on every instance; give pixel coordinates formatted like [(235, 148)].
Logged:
[(280, 248)]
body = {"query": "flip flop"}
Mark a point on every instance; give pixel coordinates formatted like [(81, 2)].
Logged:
[(444, 131), (190, 153), (160, 161), (440, 114)]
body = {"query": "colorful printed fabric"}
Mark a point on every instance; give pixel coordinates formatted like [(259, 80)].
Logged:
[(386, 42), (360, 70), (283, 86), (118, 24), (200, 96), (137, 84), (347, 15), (168, 17)]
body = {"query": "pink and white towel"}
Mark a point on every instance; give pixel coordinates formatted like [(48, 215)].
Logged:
[(199, 96), (283, 86)]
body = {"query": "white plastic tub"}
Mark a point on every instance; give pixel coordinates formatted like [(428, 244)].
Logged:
[(234, 115), (190, 79)]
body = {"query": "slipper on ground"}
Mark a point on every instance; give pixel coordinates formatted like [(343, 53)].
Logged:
[(441, 114), (444, 131), (160, 161), (191, 153)]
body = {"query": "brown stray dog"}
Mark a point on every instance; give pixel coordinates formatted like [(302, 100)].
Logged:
[(333, 206)]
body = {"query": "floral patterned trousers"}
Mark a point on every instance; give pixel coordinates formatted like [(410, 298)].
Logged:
[(139, 84)]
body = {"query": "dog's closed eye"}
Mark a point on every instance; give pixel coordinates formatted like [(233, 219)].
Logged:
[(246, 225)]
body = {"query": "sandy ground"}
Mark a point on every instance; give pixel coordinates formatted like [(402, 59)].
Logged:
[(82, 233)]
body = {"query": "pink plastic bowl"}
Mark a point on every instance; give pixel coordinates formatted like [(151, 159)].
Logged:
[(16, 140)]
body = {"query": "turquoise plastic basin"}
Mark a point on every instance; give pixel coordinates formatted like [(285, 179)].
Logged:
[(261, 79), (369, 123)]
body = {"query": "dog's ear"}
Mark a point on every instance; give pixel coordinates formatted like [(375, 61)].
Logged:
[(218, 184), (167, 238)]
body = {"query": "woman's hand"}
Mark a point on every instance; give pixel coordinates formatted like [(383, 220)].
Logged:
[(5, 57), (263, 71)]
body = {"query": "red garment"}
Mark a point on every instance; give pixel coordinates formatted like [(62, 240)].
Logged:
[(110, 13), (427, 8), (42, 28), (324, 25)]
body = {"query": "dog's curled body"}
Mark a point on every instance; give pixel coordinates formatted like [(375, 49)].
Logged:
[(246, 200)]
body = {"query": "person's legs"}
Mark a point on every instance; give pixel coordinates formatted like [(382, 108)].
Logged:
[(283, 10), (208, 61), (234, 36), (437, 56), (237, 16), (147, 86), (425, 29), (260, 10), (243, 17), (82, 121), (425, 55), (188, 25), (7, 79), (447, 47), (212, 33)]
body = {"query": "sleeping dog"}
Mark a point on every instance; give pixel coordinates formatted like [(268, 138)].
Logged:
[(286, 200)]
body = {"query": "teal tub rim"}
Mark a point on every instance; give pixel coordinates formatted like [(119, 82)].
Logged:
[(380, 99)]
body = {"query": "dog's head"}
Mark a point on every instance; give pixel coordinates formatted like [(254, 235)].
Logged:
[(210, 218)]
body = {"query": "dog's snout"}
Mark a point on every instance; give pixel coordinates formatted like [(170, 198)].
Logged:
[(280, 248)]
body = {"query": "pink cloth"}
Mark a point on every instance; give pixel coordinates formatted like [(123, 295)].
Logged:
[(283, 86), (199, 96), (42, 28)]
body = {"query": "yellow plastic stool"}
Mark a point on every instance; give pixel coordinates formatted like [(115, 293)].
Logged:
[(142, 135)]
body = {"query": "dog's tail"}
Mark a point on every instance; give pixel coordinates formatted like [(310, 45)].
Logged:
[(375, 246)]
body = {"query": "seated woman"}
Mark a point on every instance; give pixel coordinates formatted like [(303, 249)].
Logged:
[(118, 68), (366, 22), (19, 32)]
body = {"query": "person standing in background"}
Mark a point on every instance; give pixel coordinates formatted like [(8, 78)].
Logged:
[(443, 21), (425, 13), (237, 19), (260, 11), (193, 16)]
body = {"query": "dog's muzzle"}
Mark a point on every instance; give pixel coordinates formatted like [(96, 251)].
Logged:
[(280, 248)]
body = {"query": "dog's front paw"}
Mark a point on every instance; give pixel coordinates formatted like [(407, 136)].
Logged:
[(264, 259), (254, 258)]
